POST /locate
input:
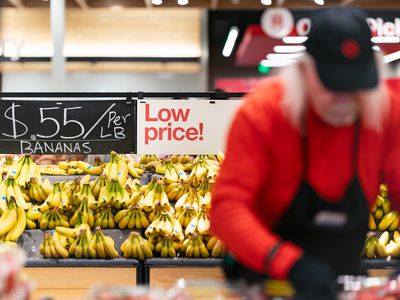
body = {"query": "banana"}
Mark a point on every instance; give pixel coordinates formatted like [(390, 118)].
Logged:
[(62, 252), (68, 232), (88, 168), (218, 249), (8, 222), (19, 228), (384, 238), (395, 224), (387, 220), (371, 222)]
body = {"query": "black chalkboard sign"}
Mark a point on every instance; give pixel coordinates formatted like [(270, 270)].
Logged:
[(84, 126)]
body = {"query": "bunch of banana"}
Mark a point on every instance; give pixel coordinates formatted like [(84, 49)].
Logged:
[(136, 195), (105, 218), (52, 248), (158, 210), (133, 185), (104, 245), (154, 195), (52, 218), (180, 159), (167, 247), (186, 216), (134, 169), (145, 159), (12, 221), (52, 170), (176, 190), (114, 193), (97, 184), (57, 198), (205, 192), (23, 169), (215, 246), (82, 247), (72, 188), (192, 198), (137, 247), (85, 193), (194, 247), (9, 188), (173, 172), (165, 225), (32, 215), (38, 191), (375, 247), (381, 208), (116, 168), (83, 214), (203, 166), (88, 168), (131, 218), (155, 166), (71, 167)]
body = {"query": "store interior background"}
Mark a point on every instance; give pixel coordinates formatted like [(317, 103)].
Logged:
[(136, 45)]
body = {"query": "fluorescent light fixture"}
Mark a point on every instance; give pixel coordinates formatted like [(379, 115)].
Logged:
[(266, 2), (283, 56), (319, 2), (156, 2), (391, 57), (376, 48), (230, 41), (183, 2), (276, 63), (385, 39), (294, 39), (289, 49)]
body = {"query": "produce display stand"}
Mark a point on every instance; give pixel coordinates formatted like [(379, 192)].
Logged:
[(31, 239)]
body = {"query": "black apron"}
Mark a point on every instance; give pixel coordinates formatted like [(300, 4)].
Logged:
[(332, 233)]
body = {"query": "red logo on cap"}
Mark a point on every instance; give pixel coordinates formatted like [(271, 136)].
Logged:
[(350, 49)]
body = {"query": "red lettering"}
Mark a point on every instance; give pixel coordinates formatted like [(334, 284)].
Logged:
[(192, 133), (167, 116), (148, 118), (161, 133), (180, 115), (147, 136), (175, 131)]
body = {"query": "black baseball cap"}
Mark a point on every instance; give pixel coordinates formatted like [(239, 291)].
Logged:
[(340, 43)]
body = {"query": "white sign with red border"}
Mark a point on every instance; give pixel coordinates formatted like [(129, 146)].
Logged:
[(184, 126)]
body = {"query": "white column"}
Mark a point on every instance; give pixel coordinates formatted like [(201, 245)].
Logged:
[(57, 19)]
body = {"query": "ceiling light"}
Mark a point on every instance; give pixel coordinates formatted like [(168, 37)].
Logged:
[(230, 41), (376, 48), (294, 39), (116, 7), (183, 2), (319, 2), (391, 57), (289, 49), (385, 39), (156, 2), (266, 2), (276, 63), (283, 56)]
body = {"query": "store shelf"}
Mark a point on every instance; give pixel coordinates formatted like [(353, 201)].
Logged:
[(392, 263), (183, 262), (73, 262)]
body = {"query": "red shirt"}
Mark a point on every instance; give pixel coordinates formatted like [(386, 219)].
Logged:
[(263, 170)]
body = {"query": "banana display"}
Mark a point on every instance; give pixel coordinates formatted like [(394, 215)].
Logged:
[(170, 213), (384, 240)]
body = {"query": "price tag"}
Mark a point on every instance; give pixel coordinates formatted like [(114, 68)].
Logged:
[(67, 127)]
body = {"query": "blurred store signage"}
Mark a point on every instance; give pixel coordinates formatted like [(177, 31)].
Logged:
[(282, 27)]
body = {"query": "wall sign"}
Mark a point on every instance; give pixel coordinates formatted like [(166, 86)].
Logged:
[(84, 126)]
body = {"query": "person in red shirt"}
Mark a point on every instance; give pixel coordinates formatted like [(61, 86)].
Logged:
[(305, 156)]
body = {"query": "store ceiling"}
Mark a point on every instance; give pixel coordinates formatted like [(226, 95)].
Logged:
[(211, 4)]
